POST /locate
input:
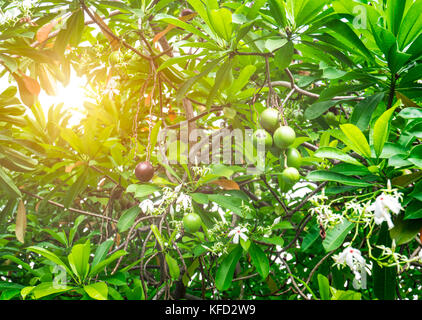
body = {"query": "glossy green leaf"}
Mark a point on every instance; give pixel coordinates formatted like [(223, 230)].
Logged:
[(335, 236), (174, 269), (321, 175), (381, 130), (259, 260), (97, 291), (128, 218), (225, 271), (356, 140), (334, 153)]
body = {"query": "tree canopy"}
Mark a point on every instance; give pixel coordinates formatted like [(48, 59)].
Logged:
[(232, 149)]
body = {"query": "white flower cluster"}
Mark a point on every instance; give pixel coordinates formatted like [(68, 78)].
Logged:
[(201, 171), (183, 202), (353, 259), (324, 214)]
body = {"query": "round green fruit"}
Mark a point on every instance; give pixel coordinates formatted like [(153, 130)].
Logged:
[(290, 175), (331, 118), (294, 159), (115, 57), (261, 137), (192, 222), (269, 119), (284, 136)]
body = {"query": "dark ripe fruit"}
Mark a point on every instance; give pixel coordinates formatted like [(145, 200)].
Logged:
[(261, 137), (144, 171), (186, 12), (284, 136), (192, 222), (294, 159), (290, 175), (269, 119)]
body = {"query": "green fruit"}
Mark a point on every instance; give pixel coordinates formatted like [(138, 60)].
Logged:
[(294, 159), (290, 175), (115, 57), (269, 119), (284, 136), (331, 118), (261, 137), (192, 222)]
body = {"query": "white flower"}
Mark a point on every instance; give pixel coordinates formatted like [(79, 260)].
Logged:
[(147, 206), (353, 259), (238, 232), (184, 200), (382, 206), (276, 220)]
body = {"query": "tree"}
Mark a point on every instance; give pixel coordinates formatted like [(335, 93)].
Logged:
[(326, 207)]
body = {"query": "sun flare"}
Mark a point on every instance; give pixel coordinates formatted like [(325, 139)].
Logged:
[(72, 96)]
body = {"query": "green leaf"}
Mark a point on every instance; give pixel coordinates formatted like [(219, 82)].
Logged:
[(243, 79), (335, 236), (381, 130), (334, 153), (283, 57), (97, 291), (363, 111), (324, 287), (101, 265), (344, 33), (221, 76), (411, 26), (277, 241), (47, 288), (101, 252), (181, 93), (278, 12), (356, 140), (173, 267), (50, 256), (157, 235), (413, 210), (405, 230), (225, 272), (201, 198), (79, 259), (128, 218), (142, 190), (75, 189), (411, 113), (71, 30), (8, 186), (318, 108), (221, 21), (232, 203), (310, 237), (395, 10), (321, 175), (259, 260)]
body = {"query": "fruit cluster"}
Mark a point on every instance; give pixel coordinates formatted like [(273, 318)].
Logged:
[(278, 139)]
